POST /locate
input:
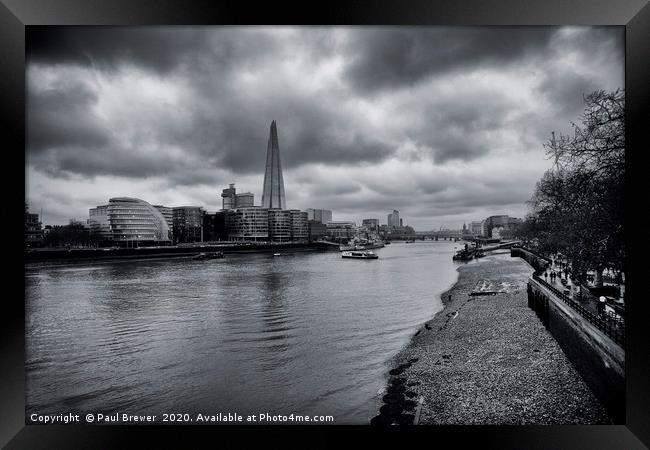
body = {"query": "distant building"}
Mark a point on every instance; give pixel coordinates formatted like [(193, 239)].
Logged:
[(134, 220), (317, 230), (247, 224), (319, 215), (265, 224), (371, 224), (232, 200), (299, 226), (273, 189), (279, 225), (168, 214), (507, 224), (341, 229), (475, 228), (100, 228), (33, 229), (497, 232), (393, 219), (188, 224), (214, 227)]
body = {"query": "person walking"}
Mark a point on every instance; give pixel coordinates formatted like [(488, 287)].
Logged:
[(600, 307), (545, 276)]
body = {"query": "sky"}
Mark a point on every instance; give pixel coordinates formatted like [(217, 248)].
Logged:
[(444, 124)]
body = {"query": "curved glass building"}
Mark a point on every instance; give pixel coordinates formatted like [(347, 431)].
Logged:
[(132, 219)]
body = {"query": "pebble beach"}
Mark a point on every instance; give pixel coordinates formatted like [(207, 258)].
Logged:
[(486, 359)]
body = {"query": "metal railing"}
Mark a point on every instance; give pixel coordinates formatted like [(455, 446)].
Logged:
[(614, 328)]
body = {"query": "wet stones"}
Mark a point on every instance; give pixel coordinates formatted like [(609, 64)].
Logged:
[(397, 401), (399, 389)]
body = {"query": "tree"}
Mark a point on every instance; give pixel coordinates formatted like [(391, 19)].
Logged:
[(577, 207)]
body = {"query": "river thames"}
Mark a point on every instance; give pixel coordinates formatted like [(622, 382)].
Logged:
[(307, 333)]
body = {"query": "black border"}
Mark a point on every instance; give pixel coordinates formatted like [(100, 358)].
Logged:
[(15, 15)]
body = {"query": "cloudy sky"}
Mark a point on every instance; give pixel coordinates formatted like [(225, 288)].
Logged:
[(444, 124)]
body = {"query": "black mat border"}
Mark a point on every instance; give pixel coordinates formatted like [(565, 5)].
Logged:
[(16, 15)]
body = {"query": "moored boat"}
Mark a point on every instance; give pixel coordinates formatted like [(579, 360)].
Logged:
[(211, 255), (359, 255)]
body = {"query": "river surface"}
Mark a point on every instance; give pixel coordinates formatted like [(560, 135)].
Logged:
[(307, 333)]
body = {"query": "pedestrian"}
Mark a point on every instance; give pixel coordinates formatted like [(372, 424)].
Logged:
[(600, 307), (546, 276)]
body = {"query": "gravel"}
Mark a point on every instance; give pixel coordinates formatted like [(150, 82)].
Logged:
[(488, 360)]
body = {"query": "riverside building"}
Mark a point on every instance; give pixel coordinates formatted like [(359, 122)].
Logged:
[(188, 224), (168, 214), (100, 228), (33, 229), (132, 220), (264, 224)]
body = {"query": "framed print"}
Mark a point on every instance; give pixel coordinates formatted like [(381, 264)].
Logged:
[(385, 219)]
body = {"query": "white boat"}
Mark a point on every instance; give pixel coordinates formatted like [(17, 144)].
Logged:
[(277, 254), (359, 255)]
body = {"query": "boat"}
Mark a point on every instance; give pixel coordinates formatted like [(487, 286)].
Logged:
[(277, 254), (463, 255), (361, 246), (211, 255), (359, 255)]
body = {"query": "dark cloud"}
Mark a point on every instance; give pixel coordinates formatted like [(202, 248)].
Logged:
[(63, 117), (389, 58), (191, 107)]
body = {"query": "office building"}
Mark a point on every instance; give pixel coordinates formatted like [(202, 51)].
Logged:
[(168, 214), (214, 227), (319, 215), (232, 200), (247, 224), (371, 224), (134, 220), (273, 191), (342, 229), (100, 228), (188, 224), (33, 229), (279, 225), (393, 219), (317, 230), (299, 225)]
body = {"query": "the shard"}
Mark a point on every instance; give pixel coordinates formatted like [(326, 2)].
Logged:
[(273, 193)]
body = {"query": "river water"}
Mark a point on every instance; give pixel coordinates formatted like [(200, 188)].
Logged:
[(307, 333)]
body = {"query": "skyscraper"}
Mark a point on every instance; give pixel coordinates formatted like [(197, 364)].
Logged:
[(273, 193), (393, 219)]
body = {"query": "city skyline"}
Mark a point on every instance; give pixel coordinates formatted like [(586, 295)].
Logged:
[(372, 119)]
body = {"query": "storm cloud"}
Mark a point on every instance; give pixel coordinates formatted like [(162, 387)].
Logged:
[(445, 124)]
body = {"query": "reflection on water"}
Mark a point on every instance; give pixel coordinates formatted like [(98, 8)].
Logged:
[(308, 333)]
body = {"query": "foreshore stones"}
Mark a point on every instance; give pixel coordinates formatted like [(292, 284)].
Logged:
[(492, 365), (395, 400)]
